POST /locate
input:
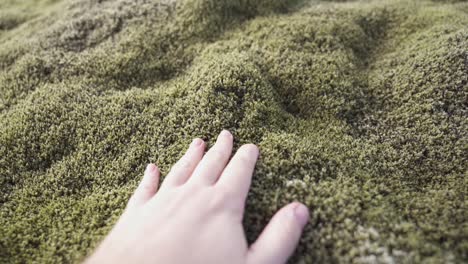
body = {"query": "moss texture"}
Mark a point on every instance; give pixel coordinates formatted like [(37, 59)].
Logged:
[(359, 108)]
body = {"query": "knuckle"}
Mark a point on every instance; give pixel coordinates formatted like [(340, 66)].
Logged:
[(219, 200), (224, 192), (183, 164), (216, 204), (225, 199), (217, 154), (147, 187)]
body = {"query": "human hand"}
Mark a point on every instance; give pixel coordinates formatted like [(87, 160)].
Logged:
[(196, 216)]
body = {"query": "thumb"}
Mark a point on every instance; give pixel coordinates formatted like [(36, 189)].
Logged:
[(279, 239)]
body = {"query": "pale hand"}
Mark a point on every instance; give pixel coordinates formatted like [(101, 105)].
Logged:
[(196, 216)]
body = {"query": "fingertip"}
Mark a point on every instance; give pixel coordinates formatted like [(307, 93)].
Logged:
[(151, 168), (147, 188), (197, 142), (225, 133), (251, 149), (301, 213), (280, 237)]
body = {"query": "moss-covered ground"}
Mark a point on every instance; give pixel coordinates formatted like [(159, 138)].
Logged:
[(359, 108)]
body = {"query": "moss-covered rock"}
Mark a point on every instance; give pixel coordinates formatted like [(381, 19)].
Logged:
[(359, 108)]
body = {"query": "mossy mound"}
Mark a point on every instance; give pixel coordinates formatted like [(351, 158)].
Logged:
[(359, 108)]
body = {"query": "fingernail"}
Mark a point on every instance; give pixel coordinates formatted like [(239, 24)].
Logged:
[(151, 167), (254, 149), (301, 213), (225, 133), (197, 142)]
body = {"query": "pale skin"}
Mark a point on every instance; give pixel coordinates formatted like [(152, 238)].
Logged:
[(196, 214)]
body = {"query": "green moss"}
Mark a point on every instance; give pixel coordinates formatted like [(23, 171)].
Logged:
[(359, 108)]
